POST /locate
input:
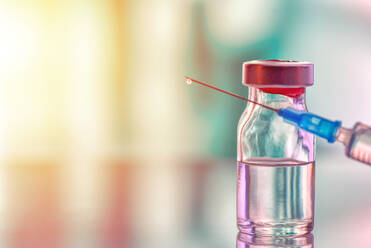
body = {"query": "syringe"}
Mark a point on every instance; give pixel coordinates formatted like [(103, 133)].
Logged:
[(357, 140)]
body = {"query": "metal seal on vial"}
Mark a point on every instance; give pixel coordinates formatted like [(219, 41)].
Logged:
[(277, 73)]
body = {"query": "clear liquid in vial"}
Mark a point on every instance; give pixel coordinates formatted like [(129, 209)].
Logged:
[(275, 197)]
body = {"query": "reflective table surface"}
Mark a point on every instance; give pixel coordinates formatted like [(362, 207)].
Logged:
[(120, 202)]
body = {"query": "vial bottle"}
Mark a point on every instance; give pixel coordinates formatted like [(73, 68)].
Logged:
[(275, 193)]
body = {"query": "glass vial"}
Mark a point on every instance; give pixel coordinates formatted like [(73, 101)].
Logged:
[(275, 193)]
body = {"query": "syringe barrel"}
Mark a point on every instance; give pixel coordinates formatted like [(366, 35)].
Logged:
[(359, 145)]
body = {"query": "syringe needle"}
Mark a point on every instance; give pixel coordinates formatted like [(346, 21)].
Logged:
[(356, 140), (190, 80)]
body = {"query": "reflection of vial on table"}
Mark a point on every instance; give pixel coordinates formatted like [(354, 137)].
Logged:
[(248, 241), (275, 195)]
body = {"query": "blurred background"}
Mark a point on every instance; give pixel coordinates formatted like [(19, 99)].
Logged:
[(104, 145)]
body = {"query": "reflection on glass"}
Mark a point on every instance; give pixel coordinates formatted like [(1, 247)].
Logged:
[(248, 241)]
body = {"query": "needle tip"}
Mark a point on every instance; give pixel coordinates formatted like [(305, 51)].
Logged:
[(188, 80)]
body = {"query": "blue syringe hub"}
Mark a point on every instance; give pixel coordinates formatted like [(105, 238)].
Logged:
[(312, 123)]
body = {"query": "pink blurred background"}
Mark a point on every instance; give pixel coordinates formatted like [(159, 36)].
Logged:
[(104, 145)]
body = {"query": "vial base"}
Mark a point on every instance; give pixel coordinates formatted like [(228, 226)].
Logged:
[(275, 197), (283, 229)]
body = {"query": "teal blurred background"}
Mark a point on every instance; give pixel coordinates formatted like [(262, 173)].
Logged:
[(104, 145)]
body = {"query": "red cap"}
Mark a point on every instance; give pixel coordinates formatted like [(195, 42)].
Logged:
[(277, 73)]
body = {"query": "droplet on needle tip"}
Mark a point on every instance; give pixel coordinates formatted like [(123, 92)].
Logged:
[(188, 81)]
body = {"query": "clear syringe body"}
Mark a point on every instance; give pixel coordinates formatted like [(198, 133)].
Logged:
[(357, 142)]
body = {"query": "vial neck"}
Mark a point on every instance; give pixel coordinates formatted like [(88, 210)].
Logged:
[(278, 100)]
